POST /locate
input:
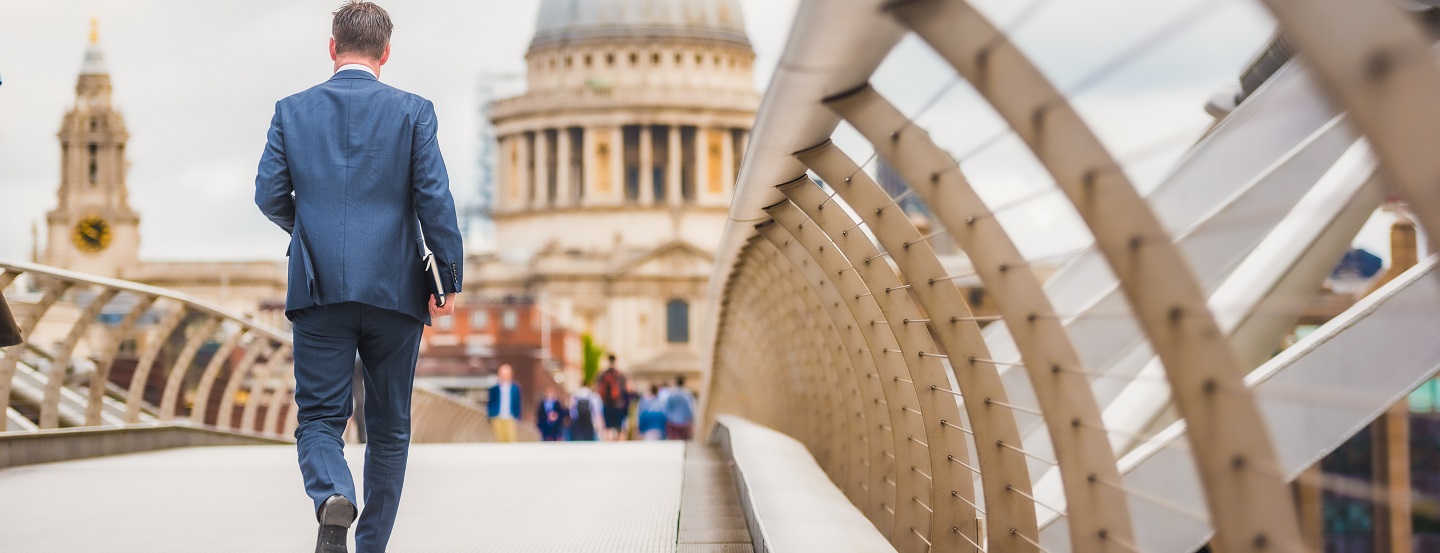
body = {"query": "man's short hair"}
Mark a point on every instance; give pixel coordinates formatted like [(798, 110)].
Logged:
[(362, 28), (612, 359)]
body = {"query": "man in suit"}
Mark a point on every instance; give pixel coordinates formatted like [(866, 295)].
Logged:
[(551, 416), (503, 406), (352, 171)]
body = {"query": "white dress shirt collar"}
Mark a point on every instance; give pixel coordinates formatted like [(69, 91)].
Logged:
[(359, 67)]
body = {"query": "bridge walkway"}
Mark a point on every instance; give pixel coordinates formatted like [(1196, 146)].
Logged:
[(529, 497)]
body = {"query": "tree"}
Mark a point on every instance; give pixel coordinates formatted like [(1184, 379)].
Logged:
[(590, 354)]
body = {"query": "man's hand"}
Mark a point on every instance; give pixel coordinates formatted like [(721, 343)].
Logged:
[(437, 311)]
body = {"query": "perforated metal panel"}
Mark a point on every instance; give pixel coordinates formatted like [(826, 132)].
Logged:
[(524, 498)]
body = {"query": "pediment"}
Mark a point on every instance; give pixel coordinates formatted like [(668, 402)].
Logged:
[(674, 259)]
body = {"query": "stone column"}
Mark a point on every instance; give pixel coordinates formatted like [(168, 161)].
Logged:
[(672, 170), (503, 193), (647, 167), (523, 172)]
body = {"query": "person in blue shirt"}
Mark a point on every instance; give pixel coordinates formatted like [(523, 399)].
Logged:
[(652, 415), (679, 411), (503, 406)]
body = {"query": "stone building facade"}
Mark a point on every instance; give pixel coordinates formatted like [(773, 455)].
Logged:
[(616, 169)]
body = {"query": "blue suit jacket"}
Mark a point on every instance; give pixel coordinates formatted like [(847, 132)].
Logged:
[(350, 166), (492, 406)]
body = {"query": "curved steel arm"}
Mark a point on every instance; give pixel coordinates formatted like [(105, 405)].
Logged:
[(1248, 500)]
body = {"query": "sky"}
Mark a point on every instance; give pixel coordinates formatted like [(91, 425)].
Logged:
[(197, 82)]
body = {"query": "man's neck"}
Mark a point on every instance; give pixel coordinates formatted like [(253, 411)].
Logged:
[(371, 64)]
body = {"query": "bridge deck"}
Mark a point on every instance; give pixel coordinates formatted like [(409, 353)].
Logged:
[(458, 498)]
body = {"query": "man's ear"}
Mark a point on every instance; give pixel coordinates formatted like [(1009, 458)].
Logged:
[(333, 55), (386, 56)]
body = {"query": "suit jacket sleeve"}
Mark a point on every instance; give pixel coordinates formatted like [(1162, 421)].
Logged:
[(273, 190), (433, 202)]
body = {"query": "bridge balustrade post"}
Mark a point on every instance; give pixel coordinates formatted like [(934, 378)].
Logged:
[(177, 371), (60, 365), (929, 489), (225, 416), (100, 381), (53, 293), (807, 320), (859, 341), (1095, 513), (259, 388), (212, 371), (136, 397), (1009, 514)]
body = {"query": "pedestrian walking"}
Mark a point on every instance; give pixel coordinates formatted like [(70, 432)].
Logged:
[(551, 416), (614, 390), (353, 173), (585, 416), (503, 406), (679, 411), (651, 421)]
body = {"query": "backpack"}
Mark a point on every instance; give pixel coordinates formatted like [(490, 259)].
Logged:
[(583, 417), (612, 389)]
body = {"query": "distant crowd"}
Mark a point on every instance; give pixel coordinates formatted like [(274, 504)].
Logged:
[(594, 414)]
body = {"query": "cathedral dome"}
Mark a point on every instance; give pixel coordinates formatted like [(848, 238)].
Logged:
[(563, 21)]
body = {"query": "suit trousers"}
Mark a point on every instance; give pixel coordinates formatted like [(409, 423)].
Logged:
[(327, 339)]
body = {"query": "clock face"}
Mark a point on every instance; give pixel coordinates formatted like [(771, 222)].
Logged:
[(91, 234)]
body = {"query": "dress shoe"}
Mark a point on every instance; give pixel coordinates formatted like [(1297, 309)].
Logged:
[(335, 514)]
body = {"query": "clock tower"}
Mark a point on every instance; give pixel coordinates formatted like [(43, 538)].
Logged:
[(93, 229)]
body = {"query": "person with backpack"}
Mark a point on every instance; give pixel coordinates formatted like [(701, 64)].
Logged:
[(614, 391), (679, 411), (584, 415)]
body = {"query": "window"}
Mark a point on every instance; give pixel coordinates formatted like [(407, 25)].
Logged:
[(688, 167), (94, 167), (660, 160), (577, 162), (444, 324), (509, 320), (631, 136), (479, 319), (609, 59), (655, 59), (677, 321), (634, 58), (552, 165), (588, 60)]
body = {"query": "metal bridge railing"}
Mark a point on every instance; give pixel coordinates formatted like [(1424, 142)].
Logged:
[(103, 352), (1108, 410)]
